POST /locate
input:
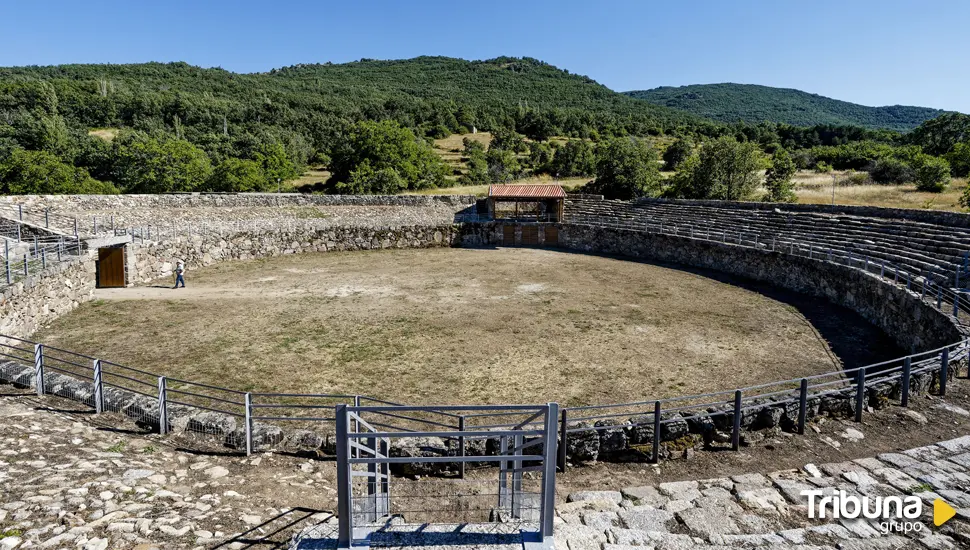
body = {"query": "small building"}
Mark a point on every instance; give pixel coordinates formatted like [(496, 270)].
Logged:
[(526, 203)]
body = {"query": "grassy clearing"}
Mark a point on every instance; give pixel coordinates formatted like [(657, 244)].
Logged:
[(453, 326), (106, 134)]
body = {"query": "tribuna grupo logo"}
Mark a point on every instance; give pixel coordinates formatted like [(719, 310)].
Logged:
[(896, 514)]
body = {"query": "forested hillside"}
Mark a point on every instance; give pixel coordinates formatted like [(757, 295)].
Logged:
[(155, 128), (753, 104), (182, 128)]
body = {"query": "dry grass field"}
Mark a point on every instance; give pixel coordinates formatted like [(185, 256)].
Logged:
[(815, 188), (467, 326)]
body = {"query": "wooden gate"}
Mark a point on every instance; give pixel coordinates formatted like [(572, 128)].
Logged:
[(508, 235), (530, 235), (552, 236), (111, 267)]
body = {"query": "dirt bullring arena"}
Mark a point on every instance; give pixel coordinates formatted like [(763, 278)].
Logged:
[(340, 363)]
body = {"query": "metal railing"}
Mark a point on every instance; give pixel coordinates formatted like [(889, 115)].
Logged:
[(36, 255), (523, 493), (650, 422), (40, 217)]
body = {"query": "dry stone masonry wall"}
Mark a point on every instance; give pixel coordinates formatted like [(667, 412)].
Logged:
[(914, 324)]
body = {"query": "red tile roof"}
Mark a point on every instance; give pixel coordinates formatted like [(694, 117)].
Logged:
[(526, 191)]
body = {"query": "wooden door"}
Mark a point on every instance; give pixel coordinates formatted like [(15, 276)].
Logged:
[(111, 267), (530, 235), (508, 235)]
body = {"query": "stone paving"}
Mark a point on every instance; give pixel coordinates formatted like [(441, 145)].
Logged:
[(64, 483), (768, 511)]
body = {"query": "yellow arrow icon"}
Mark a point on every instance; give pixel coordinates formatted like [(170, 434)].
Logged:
[(942, 512)]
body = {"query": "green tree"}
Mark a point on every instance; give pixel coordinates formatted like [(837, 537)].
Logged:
[(725, 169), (932, 174), (386, 145), (474, 156), (626, 168), (148, 165), (677, 153), (237, 175), (40, 173), (959, 159), (365, 180), (778, 178), (275, 164), (575, 158), (503, 165), (540, 156), (509, 140)]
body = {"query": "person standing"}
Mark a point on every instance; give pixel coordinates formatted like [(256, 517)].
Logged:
[(179, 272)]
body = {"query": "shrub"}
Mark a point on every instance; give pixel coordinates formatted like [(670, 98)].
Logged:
[(933, 174), (891, 170)]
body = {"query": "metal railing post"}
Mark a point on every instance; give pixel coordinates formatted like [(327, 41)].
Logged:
[(907, 368), (162, 406), (354, 451), (802, 406), (345, 520), (20, 211), (26, 267), (461, 447), (944, 370), (248, 402), (860, 392), (75, 226), (43, 259), (939, 296), (563, 438), (547, 512), (736, 429), (6, 259), (98, 387), (39, 368), (656, 433), (18, 234)]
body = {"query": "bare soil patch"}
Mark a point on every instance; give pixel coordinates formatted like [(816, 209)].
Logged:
[(450, 326)]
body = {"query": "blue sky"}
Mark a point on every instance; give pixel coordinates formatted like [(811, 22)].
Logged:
[(874, 52)]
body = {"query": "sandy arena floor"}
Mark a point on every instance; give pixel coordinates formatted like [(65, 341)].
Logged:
[(469, 326)]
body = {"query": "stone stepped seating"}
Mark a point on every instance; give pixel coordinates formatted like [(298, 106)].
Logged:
[(916, 247)]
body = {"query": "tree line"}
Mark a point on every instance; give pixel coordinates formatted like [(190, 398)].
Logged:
[(175, 127)]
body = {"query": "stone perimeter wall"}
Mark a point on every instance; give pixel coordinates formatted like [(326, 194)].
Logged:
[(30, 303), (149, 261), (915, 325), (72, 203)]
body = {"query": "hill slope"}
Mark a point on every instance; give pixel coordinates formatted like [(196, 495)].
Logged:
[(752, 103), (420, 91)]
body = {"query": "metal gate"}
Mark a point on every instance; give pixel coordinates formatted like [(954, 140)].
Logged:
[(372, 442)]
